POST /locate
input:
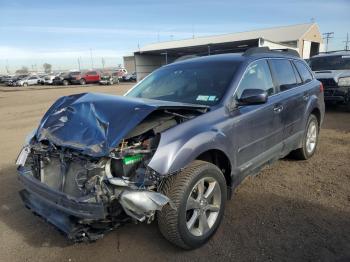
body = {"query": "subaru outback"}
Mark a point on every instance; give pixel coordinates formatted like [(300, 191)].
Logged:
[(173, 148)]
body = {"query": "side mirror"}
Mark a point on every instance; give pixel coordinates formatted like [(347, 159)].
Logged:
[(253, 97)]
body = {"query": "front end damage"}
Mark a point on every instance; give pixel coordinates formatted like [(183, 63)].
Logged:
[(86, 194)]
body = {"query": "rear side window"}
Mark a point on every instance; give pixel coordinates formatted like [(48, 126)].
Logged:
[(283, 73), (303, 71)]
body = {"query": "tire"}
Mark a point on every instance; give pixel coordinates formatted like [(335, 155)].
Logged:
[(173, 223), (25, 84), (65, 82), (82, 81), (305, 152)]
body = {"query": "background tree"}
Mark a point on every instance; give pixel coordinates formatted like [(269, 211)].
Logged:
[(23, 70), (47, 68)]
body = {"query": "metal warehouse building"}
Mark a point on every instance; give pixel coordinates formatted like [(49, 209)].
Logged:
[(305, 38)]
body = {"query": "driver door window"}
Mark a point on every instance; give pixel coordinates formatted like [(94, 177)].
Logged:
[(257, 76)]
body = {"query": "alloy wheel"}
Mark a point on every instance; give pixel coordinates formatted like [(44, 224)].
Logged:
[(311, 137), (203, 206)]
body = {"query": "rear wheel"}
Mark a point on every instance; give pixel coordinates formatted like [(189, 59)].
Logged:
[(199, 195), (25, 84), (65, 82), (310, 139)]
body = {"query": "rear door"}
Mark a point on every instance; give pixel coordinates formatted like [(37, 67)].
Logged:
[(294, 96), (258, 129)]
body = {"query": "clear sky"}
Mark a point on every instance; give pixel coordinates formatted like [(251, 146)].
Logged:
[(58, 32)]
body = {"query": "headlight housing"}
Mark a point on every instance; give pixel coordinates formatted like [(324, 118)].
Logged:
[(344, 81)]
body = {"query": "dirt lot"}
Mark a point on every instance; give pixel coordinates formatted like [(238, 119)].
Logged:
[(292, 211)]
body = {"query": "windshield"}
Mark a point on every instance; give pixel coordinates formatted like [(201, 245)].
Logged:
[(336, 62), (195, 83)]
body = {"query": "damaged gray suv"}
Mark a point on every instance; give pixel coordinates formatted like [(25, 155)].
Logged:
[(173, 148)]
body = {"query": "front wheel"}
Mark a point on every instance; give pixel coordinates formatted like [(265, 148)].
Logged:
[(199, 195), (310, 139), (82, 81)]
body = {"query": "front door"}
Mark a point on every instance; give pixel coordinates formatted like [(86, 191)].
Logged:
[(257, 129)]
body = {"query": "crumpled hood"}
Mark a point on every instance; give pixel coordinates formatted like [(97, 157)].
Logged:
[(95, 123)]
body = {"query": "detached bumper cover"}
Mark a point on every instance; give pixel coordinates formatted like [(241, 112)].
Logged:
[(37, 196)]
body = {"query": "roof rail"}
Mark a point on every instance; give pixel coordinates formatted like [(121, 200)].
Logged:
[(334, 51), (265, 49)]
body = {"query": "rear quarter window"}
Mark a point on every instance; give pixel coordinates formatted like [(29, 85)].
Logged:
[(304, 72), (283, 73)]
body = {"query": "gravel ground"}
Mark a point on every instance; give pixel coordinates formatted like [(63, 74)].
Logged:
[(291, 211)]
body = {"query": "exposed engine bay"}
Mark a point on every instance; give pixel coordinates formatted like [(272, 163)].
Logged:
[(88, 195)]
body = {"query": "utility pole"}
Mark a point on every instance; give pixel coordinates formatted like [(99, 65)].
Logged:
[(328, 36), (103, 63), (7, 66), (347, 42), (79, 63), (92, 63)]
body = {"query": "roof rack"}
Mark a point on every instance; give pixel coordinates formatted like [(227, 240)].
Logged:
[(265, 49), (334, 51)]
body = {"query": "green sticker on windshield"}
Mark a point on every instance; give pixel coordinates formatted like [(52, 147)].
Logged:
[(212, 98)]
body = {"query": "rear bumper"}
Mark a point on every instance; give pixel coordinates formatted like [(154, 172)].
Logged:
[(341, 94)]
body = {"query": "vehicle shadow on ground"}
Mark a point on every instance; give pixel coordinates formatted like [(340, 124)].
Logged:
[(256, 227)]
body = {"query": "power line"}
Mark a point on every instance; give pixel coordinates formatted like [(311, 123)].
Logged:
[(328, 36)]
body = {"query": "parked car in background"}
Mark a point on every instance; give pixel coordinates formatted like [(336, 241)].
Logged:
[(5, 78), (67, 79), (121, 73), (109, 79), (175, 146), (48, 80), (89, 77), (333, 70), (130, 77), (13, 81), (28, 81)]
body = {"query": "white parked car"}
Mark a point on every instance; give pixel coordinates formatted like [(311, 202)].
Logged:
[(28, 81), (48, 80)]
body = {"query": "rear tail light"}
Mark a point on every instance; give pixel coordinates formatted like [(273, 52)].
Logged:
[(321, 88)]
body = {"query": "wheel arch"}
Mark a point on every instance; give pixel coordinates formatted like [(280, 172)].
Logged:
[(221, 160), (317, 113)]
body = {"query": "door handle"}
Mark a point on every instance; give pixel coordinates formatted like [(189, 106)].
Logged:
[(306, 97), (278, 109)]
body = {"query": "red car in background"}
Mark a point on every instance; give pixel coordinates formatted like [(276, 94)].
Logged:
[(89, 77)]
